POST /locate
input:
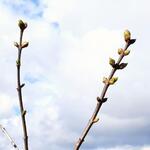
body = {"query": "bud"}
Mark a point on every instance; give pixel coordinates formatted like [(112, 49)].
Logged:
[(113, 80), (105, 80), (16, 44), (123, 65), (17, 62), (127, 35), (112, 62), (22, 25), (132, 41), (25, 44), (95, 120), (126, 52), (104, 100), (120, 51)]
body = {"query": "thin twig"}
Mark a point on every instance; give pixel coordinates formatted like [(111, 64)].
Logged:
[(9, 137), (101, 99), (19, 86)]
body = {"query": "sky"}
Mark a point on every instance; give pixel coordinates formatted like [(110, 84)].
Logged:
[(70, 42)]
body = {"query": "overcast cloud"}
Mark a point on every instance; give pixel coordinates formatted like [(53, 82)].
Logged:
[(70, 44)]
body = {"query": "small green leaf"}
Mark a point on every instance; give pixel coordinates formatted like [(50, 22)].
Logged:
[(123, 65)]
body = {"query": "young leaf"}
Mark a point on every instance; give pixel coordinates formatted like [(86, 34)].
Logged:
[(123, 65)]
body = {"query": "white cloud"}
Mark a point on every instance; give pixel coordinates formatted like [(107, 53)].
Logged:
[(67, 64)]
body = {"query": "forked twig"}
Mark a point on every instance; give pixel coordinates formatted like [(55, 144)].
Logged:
[(107, 81)]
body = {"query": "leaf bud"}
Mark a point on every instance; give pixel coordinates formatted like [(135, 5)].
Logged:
[(16, 44), (95, 120), (120, 51), (112, 62), (22, 25), (126, 52), (25, 44), (105, 80), (113, 80), (127, 35)]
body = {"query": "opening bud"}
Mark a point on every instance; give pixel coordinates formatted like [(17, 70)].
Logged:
[(126, 52), (112, 62), (127, 35), (123, 65), (120, 51), (22, 25), (105, 80), (25, 44), (113, 80)]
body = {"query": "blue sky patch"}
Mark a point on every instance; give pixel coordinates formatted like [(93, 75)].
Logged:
[(31, 79)]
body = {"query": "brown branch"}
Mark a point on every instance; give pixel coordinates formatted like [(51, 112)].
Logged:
[(20, 46), (102, 99)]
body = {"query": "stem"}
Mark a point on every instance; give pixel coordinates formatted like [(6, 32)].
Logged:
[(99, 104), (19, 89), (9, 137)]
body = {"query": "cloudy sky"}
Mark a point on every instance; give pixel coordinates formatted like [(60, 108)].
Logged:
[(70, 45)]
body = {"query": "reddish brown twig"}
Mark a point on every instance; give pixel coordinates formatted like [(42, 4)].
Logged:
[(107, 82)]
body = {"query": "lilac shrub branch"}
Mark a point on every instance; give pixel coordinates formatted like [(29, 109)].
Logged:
[(22, 25), (107, 82)]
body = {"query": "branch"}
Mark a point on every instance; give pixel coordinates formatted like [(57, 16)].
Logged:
[(20, 46), (8, 136), (111, 80)]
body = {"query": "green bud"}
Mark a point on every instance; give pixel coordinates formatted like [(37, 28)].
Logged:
[(17, 62), (113, 80), (120, 51), (22, 25), (112, 62), (127, 35), (126, 52)]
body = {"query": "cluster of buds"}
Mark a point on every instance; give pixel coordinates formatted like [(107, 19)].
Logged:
[(22, 25), (122, 53), (110, 81), (116, 65)]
